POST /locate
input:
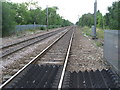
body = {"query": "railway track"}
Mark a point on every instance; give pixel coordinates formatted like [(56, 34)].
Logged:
[(52, 49), (48, 70), (16, 46)]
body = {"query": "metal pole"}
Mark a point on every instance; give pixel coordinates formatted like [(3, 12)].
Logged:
[(78, 19), (47, 17), (34, 25), (95, 10)]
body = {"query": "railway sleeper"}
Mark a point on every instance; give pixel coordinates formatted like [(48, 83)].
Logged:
[(48, 76), (37, 76), (91, 79)]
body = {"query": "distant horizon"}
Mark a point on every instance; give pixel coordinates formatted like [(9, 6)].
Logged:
[(72, 12)]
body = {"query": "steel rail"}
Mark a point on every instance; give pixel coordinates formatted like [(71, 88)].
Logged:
[(65, 64), (54, 32), (34, 60), (15, 43)]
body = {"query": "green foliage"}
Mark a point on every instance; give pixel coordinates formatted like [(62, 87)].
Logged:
[(42, 28), (56, 19), (100, 33), (108, 21), (99, 19), (98, 43), (112, 17), (86, 20), (22, 33), (29, 13), (86, 31), (51, 26), (8, 19), (0, 19)]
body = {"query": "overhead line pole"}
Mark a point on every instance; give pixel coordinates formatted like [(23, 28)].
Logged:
[(95, 10)]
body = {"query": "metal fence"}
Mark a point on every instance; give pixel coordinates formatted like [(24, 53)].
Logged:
[(112, 48), (26, 27)]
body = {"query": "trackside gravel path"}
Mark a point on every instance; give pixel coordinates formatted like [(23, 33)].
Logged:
[(85, 55)]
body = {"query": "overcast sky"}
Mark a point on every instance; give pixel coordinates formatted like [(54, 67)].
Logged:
[(72, 9)]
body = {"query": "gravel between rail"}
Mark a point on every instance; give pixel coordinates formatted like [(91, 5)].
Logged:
[(13, 39), (12, 63), (85, 55)]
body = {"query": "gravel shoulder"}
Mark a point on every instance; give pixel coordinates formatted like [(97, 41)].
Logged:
[(85, 55), (12, 39)]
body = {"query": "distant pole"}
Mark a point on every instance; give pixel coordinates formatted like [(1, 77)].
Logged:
[(34, 25), (78, 19), (95, 10), (47, 17)]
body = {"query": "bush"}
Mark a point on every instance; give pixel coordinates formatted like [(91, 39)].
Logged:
[(98, 43), (86, 30), (50, 27), (42, 28), (100, 33)]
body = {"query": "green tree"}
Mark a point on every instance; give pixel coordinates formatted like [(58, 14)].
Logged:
[(28, 13), (22, 14), (86, 20), (8, 19), (112, 17), (99, 19)]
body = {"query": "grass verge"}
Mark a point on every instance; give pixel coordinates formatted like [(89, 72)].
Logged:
[(100, 35)]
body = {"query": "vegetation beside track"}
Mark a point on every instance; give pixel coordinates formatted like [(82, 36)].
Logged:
[(100, 35), (24, 14), (108, 21)]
